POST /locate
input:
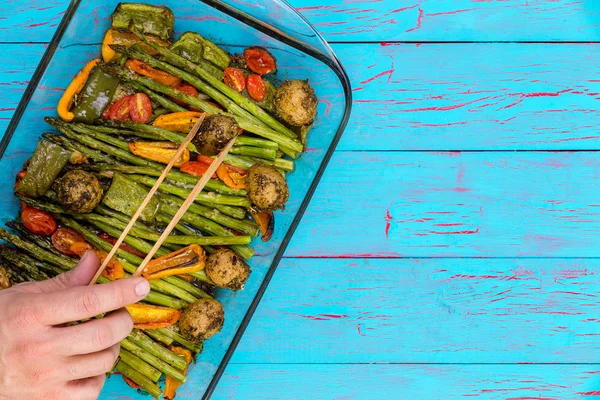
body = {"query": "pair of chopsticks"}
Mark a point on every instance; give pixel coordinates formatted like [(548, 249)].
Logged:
[(182, 210)]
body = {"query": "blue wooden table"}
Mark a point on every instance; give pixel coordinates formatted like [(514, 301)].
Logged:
[(451, 248)]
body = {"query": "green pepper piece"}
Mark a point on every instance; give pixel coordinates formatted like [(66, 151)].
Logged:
[(154, 20), (97, 94), (195, 47), (46, 163), (126, 196)]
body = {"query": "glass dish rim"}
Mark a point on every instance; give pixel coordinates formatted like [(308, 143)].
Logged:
[(330, 60)]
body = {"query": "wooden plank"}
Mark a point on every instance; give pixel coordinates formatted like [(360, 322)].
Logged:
[(526, 97), (499, 204), (291, 382), (427, 311), (383, 20)]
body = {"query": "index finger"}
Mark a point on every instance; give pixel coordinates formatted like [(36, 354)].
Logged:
[(83, 302)]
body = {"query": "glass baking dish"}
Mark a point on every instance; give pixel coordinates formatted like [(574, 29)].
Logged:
[(301, 53)]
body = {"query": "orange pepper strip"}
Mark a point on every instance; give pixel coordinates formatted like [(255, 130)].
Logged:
[(114, 270), (74, 88), (187, 277), (161, 152), (147, 316), (183, 261), (159, 76), (131, 383), (178, 122), (266, 222), (232, 177), (172, 384)]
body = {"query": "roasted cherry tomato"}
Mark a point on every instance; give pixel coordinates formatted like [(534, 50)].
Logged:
[(131, 383), (124, 246), (256, 87), (197, 168), (259, 60), (159, 76), (106, 112), (114, 270), (140, 108), (20, 177), (120, 110), (187, 89), (235, 79), (37, 221), (63, 239)]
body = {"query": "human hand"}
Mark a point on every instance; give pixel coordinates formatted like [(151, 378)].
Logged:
[(40, 357)]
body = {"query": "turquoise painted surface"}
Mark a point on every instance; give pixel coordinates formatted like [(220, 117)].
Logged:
[(417, 272)]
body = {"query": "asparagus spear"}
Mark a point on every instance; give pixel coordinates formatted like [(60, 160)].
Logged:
[(145, 383), (35, 251), (159, 337), (256, 142), (267, 154), (158, 363), (44, 242), (95, 155), (141, 340), (140, 365), (163, 101), (172, 333)]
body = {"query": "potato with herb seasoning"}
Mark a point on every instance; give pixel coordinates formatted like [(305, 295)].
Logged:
[(214, 134), (227, 270), (267, 188), (79, 191), (202, 319), (296, 103), (5, 281)]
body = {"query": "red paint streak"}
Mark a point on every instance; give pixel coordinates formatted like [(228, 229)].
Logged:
[(328, 106), (404, 9), (389, 73), (441, 212), (448, 224), (445, 108), (384, 44), (531, 398), (450, 12), (358, 329), (419, 19), (323, 317), (314, 8), (593, 393), (545, 94), (388, 219), (40, 24), (457, 233)]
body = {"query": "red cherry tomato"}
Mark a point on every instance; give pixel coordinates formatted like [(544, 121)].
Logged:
[(120, 110), (256, 87), (187, 89), (197, 168), (259, 60), (63, 238), (140, 108), (235, 79), (38, 221)]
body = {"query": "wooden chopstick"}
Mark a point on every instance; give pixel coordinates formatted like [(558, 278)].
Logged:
[(152, 192), (186, 204)]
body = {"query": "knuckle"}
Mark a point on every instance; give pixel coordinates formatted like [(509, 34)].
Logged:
[(104, 336), (76, 370), (108, 360), (21, 316), (26, 351), (89, 303), (38, 374)]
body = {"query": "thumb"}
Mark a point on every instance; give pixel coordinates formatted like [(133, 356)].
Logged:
[(78, 276)]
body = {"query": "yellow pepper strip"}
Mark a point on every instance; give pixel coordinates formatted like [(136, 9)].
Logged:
[(178, 122), (161, 152), (146, 316), (76, 85), (108, 54), (183, 261), (172, 384)]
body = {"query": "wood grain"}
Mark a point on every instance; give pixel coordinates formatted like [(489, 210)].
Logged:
[(427, 311), (382, 20), (525, 97)]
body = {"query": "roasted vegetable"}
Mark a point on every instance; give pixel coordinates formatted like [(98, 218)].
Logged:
[(45, 165), (127, 196), (64, 238), (296, 103), (267, 188), (95, 96), (159, 76), (173, 384), (202, 319), (37, 221), (232, 176), (127, 39), (154, 20), (5, 279), (227, 270), (216, 131), (259, 60), (184, 261), (114, 270), (146, 316), (178, 122), (195, 47), (161, 152), (266, 221), (74, 88), (235, 79), (79, 191)]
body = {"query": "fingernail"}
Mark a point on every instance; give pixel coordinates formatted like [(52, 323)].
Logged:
[(85, 256), (142, 288)]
